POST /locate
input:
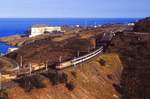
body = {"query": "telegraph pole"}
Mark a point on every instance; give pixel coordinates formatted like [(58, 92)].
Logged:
[(21, 64), (60, 59), (46, 67), (18, 69), (30, 68), (74, 67), (88, 49), (78, 53), (0, 81)]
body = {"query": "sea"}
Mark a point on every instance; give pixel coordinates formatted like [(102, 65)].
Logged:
[(13, 26)]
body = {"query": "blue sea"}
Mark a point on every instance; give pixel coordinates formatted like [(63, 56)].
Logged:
[(12, 26)]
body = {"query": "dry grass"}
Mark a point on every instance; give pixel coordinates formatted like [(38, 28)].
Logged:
[(91, 82)]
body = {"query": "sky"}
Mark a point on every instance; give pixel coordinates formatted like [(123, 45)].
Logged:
[(74, 8)]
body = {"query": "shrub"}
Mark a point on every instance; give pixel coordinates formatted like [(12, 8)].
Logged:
[(63, 78), (110, 77), (37, 81), (74, 74), (25, 83), (70, 86), (102, 62), (57, 78), (28, 83), (3, 94)]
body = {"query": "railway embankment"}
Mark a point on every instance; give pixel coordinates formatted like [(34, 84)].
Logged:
[(89, 80)]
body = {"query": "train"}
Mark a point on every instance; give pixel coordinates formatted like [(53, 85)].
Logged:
[(102, 43), (81, 59), (73, 62)]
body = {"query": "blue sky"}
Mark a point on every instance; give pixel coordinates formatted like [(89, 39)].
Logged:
[(74, 8)]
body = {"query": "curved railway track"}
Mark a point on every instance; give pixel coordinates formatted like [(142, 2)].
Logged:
[(80, 59), (44, 67)]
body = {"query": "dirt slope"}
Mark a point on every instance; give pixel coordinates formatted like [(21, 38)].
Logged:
[(92, 80)]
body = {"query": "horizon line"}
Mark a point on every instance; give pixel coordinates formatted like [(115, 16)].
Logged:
[(73, 17)]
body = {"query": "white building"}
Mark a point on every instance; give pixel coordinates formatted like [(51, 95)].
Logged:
[(131, 24), (12, 49), (41, 29)]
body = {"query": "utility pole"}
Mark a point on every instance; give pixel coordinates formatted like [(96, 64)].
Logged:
[(30, 68), (89, 49), (21, 64), (18, 69), (74, 67), (78, 53), (60, 59), (46, 67), (0, 81)]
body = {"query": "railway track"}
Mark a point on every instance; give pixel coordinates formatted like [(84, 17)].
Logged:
[(80, 59), (44, 68)]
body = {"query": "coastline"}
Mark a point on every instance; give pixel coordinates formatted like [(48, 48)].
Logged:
[(11, 32), (19, 40)]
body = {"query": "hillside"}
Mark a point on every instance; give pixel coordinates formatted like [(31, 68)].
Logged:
[(97, 79), (134, 53), (142, 25), (45, 50), (91, 81)]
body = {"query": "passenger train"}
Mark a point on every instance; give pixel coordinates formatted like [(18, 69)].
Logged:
[(101, 47)]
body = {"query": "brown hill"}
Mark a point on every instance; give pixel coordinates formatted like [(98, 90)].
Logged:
[(45, 50), (91, 80), (143, 25), (134, 53)]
